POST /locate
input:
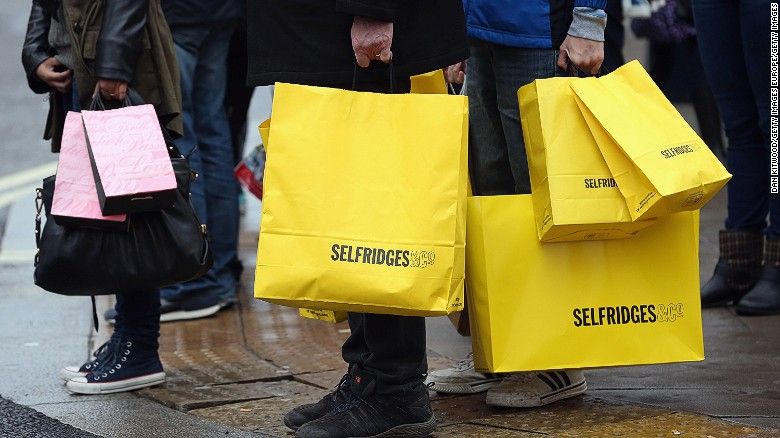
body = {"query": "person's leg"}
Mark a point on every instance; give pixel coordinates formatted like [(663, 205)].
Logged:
[(720, 36), (187, 42), (764, 297), (133, 361), (213, 131), (515, 68), (387, 362), (489, 166)]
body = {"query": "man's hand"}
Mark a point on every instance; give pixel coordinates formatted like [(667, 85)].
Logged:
[(456, 73), (371, 40), (111, 89), (54, 74), (586, 55)]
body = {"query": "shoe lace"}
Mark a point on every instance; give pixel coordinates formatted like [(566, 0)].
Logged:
[(343, 398), (466, 363), (114, 360)]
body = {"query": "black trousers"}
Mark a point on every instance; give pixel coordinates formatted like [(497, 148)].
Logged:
[(390, 348)]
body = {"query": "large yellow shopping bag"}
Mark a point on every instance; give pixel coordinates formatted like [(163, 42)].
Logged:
[(659, 162), (574, 194), (535, 306), (364, 208)]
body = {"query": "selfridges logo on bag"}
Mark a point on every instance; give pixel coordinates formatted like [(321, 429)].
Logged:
[(400, 258), (678, 150), (600, 183), (623, 315)]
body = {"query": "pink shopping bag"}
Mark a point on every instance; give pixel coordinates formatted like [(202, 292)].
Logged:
[(130, 161), (75, 201)]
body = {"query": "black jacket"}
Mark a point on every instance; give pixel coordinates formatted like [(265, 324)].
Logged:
[(308, 41), (119, 43)]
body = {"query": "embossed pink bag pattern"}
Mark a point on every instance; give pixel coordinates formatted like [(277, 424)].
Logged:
[(75, 196), (130, 160)]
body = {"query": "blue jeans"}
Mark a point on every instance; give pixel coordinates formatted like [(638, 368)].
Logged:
[(734, 44), (202, 54), (497, 158)]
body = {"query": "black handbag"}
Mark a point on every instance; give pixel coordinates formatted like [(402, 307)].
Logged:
[(160, 248)]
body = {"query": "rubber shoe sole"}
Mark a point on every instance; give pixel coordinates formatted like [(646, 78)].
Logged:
[(409, 430), (71, 372), (475, 387), (80, 385), (182, 315), (510, 401)]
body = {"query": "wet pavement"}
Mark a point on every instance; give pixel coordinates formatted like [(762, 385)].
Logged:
[(245, 367)]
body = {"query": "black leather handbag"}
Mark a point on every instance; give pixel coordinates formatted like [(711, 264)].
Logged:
[(160, 248)]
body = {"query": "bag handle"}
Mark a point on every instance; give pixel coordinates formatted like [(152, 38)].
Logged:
[(390, 68), (133, 98), (574, 71)]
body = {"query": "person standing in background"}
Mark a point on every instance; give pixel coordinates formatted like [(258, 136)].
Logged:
[(733, 40), (201, 34), (509, 49)]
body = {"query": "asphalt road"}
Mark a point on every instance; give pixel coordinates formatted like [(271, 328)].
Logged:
[(21, 421)]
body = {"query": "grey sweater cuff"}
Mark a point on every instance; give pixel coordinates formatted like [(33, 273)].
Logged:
[(588, 23)]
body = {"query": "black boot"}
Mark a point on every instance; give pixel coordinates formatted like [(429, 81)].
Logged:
[(737, 270), (764, 297)]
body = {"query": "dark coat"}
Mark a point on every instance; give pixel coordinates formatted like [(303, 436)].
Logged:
[(309, 42), (186, 12), (125, 40)]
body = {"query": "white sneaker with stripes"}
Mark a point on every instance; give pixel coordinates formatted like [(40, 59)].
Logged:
[(461, 379), (529, 390)]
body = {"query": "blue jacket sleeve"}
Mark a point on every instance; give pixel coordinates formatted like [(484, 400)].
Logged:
[(595, 4)]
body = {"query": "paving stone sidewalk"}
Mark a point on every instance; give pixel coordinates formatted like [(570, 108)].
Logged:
[(247, 366)]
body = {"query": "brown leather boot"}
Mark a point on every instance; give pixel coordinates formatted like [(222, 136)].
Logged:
[(738, 268), (764, 297)]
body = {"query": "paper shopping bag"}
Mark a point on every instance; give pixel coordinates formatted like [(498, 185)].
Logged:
[(575, 196), (324, 315), (364, 203), (130, 160), (660, 164), (429, 83), (604, 303), (75, 201)]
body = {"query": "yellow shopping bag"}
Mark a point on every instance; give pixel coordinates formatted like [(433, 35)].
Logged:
[(429, 83), (659, 162), (324, 315), (574, 194), (364, 208), (579, 304)]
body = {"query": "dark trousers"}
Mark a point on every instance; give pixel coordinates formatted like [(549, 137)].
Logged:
[(734, 43), (138, 318), (497, 157), (391, 348)]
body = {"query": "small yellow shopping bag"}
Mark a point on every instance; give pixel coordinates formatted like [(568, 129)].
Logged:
[(324, 315), (660, 164), (534, 306), (575, 196), (365, 202)]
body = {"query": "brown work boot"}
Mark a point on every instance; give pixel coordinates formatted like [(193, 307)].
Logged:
[(738, 268), (764, 297)]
